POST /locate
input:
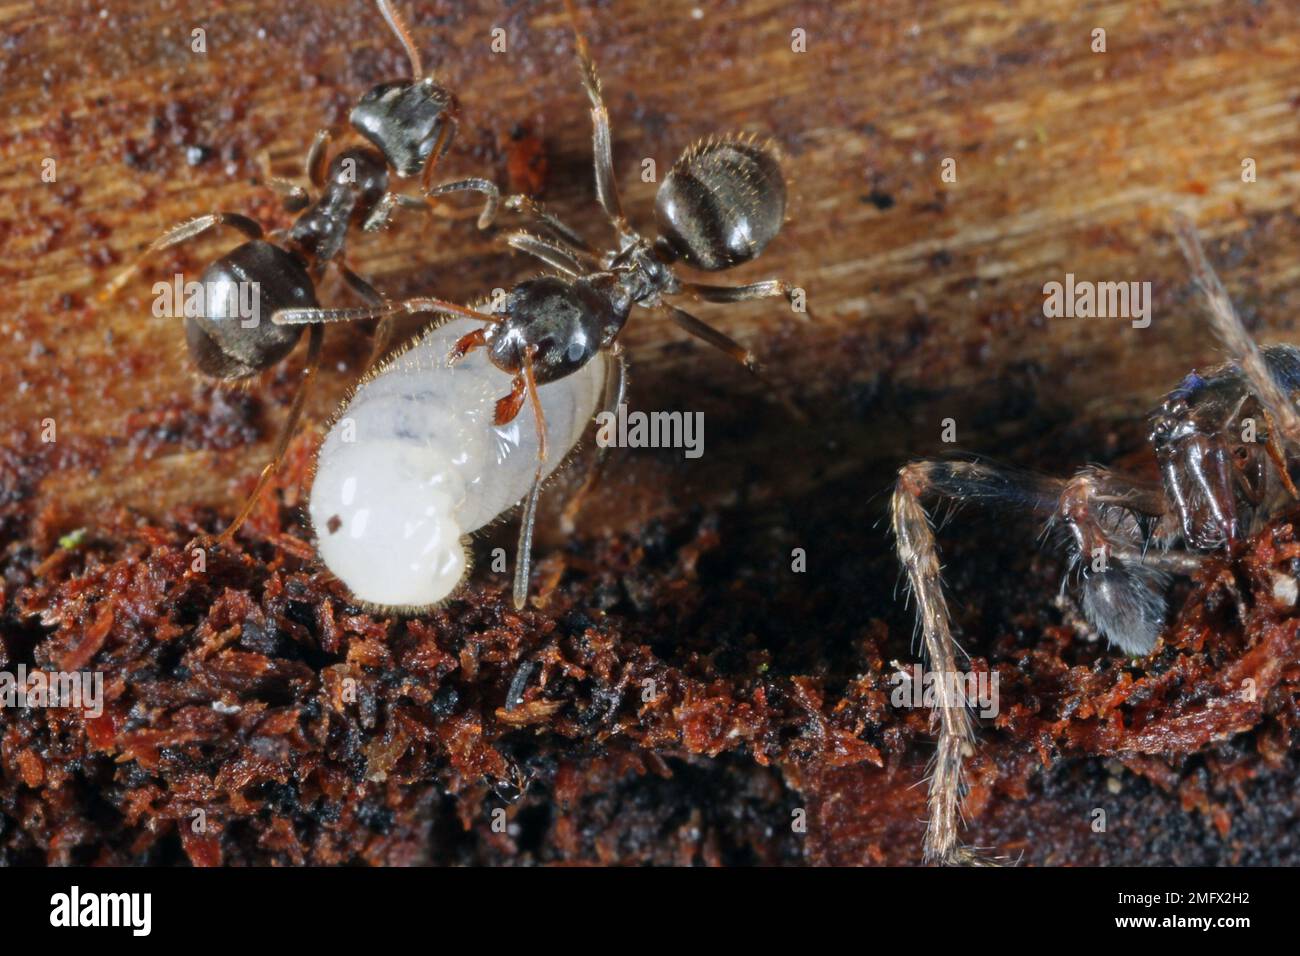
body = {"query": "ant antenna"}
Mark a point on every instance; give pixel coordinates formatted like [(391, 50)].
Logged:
[(580, 43), (404, 34)]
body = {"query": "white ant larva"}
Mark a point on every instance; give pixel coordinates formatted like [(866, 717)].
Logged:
[(721, 205), (414, 463)]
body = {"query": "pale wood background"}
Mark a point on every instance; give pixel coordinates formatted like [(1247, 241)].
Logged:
[(927, 295)]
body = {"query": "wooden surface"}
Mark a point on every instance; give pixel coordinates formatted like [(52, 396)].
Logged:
[(928, 296)]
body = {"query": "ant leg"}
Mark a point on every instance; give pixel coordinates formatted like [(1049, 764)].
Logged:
[(769, 289), (178, 234), (293, 198), (491, 196), (1241, 347), (734, 349), (364, 290), (524, 205), (523, 553), (508, 407), (535, 210), (286, 433), (468, 343), (615, 395), (384, 310), (919, 556), (720, 341), (602, 148), (315, 164), (554, 254)]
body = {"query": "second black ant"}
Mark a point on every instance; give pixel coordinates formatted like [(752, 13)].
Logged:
[(410, 125)]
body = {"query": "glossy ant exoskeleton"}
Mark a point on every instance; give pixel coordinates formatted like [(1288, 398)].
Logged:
[(1225, 441), (411, 124), (720, 206)]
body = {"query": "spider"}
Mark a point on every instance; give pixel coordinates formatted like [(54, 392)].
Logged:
[(1224, 440)]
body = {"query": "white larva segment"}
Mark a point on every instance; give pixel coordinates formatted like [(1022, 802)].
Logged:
[(425, 465)]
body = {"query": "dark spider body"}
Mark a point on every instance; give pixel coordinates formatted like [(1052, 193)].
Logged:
[(1222, 486), (1224, 441)]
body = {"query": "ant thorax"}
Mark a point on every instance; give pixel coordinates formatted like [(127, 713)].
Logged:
[(414, 463), (643, 274), (356, 181)]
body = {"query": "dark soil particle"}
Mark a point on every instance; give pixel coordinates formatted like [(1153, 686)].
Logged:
[(631, 715)]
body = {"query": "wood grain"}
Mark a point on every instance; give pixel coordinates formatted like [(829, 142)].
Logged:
[(927, 295)]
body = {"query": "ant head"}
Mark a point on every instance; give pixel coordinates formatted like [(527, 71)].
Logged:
[(407, 120), (1210, 439), (565, 322), (721, 203)]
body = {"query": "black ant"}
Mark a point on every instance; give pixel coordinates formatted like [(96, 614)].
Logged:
[(1224, 439), (720, 205), (411, 124)]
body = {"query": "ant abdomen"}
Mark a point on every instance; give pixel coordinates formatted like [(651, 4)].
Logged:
[(721, 203), (235, 337)]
